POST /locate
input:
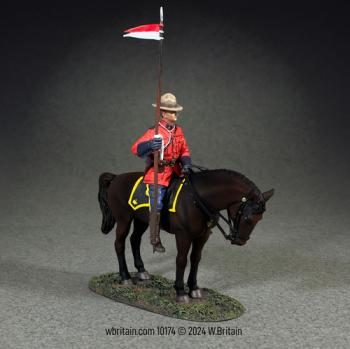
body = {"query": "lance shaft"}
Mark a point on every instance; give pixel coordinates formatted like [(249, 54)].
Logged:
[(157, 119)]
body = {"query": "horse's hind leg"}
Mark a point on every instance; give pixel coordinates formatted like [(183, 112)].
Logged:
[(119, 244), (135, 239), (196, 253)]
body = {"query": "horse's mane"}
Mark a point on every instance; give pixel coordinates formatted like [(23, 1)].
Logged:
[(235, 174)]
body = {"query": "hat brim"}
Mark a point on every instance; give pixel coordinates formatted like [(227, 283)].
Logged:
[(177, 108)]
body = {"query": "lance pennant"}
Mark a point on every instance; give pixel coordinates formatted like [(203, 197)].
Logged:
[(152, 32), (147, 31)]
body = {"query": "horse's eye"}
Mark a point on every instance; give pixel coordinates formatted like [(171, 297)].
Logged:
[(260, 208)]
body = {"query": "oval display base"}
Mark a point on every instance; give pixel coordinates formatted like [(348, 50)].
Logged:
[(159, 296)]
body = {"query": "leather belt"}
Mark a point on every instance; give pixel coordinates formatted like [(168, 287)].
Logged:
[(170, 163)]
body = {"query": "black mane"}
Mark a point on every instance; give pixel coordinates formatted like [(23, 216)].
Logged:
[(235, 174)]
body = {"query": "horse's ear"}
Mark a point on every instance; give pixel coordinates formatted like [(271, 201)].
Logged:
[(267, 195)]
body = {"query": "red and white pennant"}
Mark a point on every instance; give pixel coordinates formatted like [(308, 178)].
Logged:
[(147, 31)]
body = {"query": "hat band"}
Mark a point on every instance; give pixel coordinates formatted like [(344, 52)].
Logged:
[(169, 105)]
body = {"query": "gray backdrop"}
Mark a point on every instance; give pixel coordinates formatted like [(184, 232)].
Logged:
[(264, 93)]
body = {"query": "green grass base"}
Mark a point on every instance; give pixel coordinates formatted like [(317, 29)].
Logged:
[(159, 296)]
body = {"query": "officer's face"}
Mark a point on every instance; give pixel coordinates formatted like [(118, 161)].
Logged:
[(170, 116)]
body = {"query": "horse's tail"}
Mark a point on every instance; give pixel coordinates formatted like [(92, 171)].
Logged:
[(108, 220)]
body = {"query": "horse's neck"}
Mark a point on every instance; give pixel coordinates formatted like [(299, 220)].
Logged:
[(221, 189)]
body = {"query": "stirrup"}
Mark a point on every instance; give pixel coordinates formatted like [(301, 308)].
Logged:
[(158, 247)]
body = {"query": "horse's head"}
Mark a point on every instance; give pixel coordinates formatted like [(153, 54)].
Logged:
[(246, 216)]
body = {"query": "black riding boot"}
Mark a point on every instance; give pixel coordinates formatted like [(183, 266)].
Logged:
[(154, 225)]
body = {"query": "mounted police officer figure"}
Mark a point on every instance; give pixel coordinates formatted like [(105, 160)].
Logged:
[(172, 146)]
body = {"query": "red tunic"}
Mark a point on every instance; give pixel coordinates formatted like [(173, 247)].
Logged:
[(175, 146)]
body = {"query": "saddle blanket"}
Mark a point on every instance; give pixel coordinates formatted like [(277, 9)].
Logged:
[(139, 196)]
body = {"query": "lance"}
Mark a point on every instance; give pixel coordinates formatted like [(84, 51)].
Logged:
[(154, 32), (157, 118)]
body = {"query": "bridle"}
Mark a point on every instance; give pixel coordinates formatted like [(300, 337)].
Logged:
[(213, 218), (232, 224)]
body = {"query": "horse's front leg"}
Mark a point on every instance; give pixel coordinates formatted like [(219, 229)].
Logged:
[(183, 244), (196, 253), (119, 245)]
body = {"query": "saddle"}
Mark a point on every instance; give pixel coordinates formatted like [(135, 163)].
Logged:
[(139, 195)]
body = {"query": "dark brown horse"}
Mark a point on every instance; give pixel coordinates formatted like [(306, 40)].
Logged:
[(200, 201)]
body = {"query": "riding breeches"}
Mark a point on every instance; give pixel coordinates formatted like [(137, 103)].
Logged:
[(161, 192)]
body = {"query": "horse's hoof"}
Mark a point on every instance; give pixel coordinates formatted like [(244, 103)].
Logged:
[(182, 299), (196, 293), (158, 247), (143, 276), (127, 282)]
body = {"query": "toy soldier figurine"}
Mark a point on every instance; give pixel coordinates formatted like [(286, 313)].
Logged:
[(173, 148)]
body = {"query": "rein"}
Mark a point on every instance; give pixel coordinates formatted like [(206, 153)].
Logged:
[(214, 217)]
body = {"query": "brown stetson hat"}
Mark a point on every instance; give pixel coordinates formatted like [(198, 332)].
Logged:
[(168, 102)]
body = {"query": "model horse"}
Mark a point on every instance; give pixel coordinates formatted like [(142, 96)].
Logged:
[(203, 196)]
